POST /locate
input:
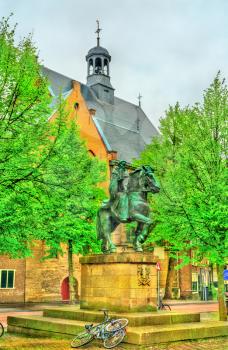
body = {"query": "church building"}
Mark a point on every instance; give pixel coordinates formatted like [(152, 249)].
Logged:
[(113, 129), (122, 127)]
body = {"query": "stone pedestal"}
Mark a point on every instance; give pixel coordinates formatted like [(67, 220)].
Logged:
[(124, 282)]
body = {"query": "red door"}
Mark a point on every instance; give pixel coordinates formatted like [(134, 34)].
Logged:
[(65, 290)]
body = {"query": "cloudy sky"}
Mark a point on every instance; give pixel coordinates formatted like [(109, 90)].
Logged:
[(168, 50)]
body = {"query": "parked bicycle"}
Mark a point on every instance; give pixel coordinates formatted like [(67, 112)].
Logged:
[(1, 329), (163, 306), (111, 331)]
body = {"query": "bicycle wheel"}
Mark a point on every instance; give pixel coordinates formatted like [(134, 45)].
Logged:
[(1, 330), (116, 339), (82, 339), (114, 325)]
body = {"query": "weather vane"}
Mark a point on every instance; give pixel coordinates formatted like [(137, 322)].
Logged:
[(139, 98), (98, 32)]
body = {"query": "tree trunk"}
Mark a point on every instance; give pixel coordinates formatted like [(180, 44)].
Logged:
[(185, 279), (71, 272), (221, 294), (170, 279)]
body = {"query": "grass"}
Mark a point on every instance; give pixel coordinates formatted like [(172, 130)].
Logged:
[(16, 342), (20, 342)]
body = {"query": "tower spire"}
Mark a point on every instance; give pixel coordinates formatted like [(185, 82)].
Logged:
[(98, 32)]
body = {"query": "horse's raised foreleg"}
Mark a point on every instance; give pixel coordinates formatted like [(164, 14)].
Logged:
[(141, 218)]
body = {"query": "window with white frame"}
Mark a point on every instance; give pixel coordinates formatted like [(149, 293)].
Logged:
[(7, 278)]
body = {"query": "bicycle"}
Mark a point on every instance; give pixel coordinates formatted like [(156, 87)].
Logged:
[(163, 306), (1, 329), (111, 331)]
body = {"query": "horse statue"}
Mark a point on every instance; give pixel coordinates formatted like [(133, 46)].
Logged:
[(127, 203)]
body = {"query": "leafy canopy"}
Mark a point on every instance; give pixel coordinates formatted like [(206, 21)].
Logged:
[(72, 196), (24, 139), (190, 156), (48, 182)]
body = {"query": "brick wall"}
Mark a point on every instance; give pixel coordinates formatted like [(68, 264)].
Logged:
[(15, 294), (44, 278)]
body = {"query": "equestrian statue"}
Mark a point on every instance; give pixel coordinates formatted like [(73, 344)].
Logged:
[(127, 203)]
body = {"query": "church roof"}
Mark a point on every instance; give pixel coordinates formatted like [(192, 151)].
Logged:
[(98, 50), (124, 126)]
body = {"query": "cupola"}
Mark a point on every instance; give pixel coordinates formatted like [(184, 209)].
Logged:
[(98, 71)]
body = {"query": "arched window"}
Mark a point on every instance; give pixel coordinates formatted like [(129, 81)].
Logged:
[(98, 66), (106, 67), (90, 66)]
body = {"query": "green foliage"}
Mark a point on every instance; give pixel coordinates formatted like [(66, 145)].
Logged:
[(25, 145), (48, 182), (191, 161), (72, 196)]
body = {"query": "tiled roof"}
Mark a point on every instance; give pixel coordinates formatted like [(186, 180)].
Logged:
[(124, 126), (59, 83)]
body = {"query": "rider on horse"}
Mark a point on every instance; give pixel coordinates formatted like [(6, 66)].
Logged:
[(128, 203), (118, 191)]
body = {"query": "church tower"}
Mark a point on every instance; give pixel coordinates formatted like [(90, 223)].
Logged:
[(98, 71)]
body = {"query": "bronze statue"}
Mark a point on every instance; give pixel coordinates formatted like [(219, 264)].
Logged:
[(128, 203), (118, 191)]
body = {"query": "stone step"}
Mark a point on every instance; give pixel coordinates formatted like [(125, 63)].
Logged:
[(54, 327), (44, 326), (169, 333), (135, 319)]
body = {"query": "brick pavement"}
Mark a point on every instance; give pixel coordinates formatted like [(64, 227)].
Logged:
[(198, 307)]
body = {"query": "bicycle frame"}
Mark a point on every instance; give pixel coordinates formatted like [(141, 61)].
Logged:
[(104, 331), (99, 330)]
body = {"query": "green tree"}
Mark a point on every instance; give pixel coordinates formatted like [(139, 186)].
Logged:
[(72, 197), (191, 161), (48, 181), (25, 137)]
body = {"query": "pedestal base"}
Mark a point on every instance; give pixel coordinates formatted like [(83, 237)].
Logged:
[(125, 248), (119, 282)]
